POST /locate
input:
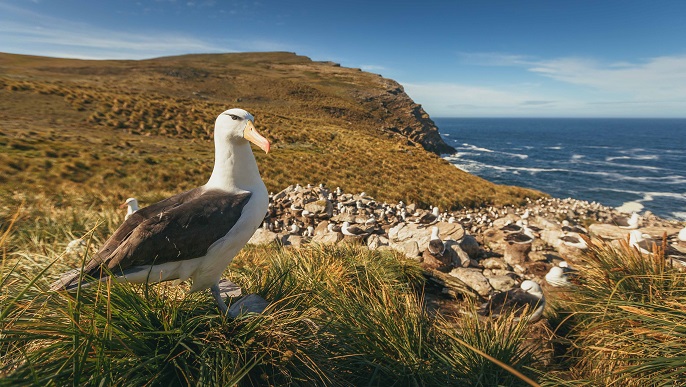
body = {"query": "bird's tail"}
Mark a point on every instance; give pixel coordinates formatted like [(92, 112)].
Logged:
[(67, 281)]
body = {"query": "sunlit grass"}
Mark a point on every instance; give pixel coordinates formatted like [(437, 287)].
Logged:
[(337, 316), (628, 322)]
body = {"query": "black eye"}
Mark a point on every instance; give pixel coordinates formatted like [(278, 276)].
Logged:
[(234, 117)]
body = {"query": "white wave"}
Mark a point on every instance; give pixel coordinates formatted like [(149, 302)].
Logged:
[(576, 157), (670, 180), (611, 164), (476, 148), (519, 155), (646, 196), (679, 215), (554, 147), (480, 149), (634, 157)]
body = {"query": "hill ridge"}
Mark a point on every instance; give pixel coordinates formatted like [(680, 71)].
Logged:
[(328, 124)]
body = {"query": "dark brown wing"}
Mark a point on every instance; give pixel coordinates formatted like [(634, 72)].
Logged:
[(512, 300), (436, 247), (179, 228)]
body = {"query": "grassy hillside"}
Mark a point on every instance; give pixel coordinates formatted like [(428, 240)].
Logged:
[(106, 130)]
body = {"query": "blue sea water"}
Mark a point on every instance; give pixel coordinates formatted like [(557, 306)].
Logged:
[(640, 162)]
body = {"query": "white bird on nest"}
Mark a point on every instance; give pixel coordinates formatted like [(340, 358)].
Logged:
[(528, 297), (195, 234)]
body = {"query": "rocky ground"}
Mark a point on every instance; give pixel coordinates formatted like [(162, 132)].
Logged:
[(483, 252)]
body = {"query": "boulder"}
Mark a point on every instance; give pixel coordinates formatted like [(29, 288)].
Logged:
[(474, 279), (409, 248), (470, 246), (322, 228), (320, 207), (442, 263), (292, 240), (517, 253), (252, 303), (327, 238), (263, 237), (460, 257), (495, 263), (375, 241), (501, 282)]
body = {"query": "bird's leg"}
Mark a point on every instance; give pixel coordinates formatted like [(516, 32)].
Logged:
[(218, 297)]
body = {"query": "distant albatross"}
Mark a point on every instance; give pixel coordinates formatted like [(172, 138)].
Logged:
[(131, 205), (195, 234)]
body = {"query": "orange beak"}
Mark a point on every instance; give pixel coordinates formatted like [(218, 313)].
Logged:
[(122, 205), (250, 134)]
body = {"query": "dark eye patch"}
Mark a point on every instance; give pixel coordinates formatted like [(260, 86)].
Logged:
[(234, 117)]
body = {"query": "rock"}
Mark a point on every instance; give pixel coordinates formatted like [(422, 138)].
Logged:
[(517, 253), (322, 228), (460, 257), (443, 263), (501, 282), (495, 263), (409, 248), (470, 246), (327, 238), (343, 217), (453, 231), (406, 231), (263, 237), (320, 207), (354, 239), (375, 241), (607, 231), (228, 289), (474, 279), (292, 240), (252, 303)]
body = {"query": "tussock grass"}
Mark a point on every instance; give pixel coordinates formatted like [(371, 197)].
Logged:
[(628, 323), (337, 316)]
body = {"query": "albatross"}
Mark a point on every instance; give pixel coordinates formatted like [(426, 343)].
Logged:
[(195, 234), (528, 297), (131, 205)]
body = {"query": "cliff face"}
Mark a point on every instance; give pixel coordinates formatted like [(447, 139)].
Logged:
[(410, 119)]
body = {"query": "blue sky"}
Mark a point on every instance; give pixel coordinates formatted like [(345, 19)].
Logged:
[(457, 58)]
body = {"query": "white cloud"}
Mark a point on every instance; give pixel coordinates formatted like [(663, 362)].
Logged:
[(26, 32), (654, 87), (373, 68), (656, 78)]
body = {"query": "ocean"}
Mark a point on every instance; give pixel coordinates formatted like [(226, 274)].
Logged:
[(635, 164)]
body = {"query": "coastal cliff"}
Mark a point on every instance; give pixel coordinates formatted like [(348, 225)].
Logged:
[(103, 125)]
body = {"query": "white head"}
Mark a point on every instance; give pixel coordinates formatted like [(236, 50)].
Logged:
[(531, 287), (238, 125), (563, 264), (435, 211), (682, 234), (434, 233), (132, 206), (132, 203)]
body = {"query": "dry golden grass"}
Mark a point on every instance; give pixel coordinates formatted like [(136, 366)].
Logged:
[(144, 128)]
